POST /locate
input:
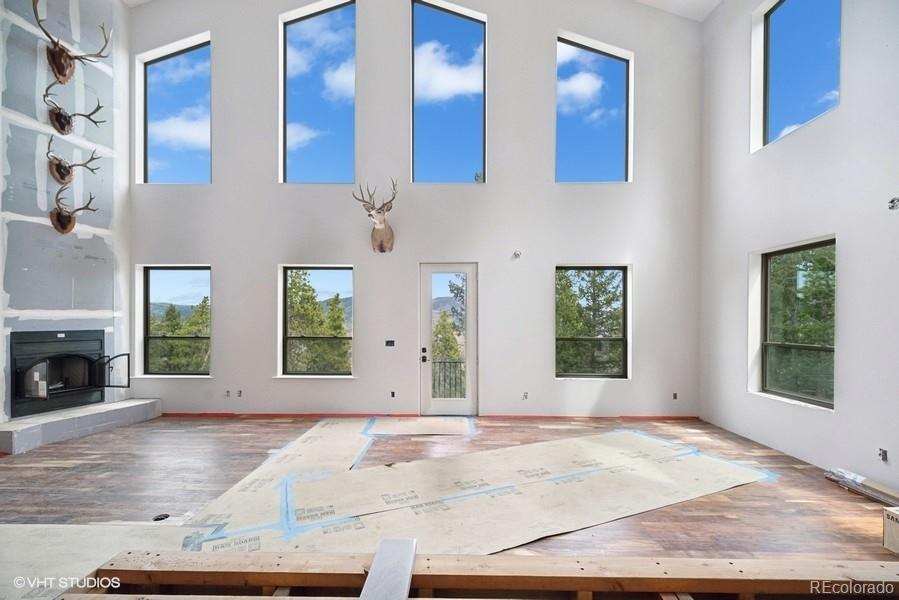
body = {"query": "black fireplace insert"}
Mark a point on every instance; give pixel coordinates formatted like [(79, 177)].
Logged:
[(53, 370)]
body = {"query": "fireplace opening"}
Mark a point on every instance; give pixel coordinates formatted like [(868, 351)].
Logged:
[(62, 369)]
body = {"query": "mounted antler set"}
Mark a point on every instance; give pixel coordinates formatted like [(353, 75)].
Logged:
[(62, 170), (62, 63), (62, 217), (62, 120), (61, 59), (382, 233)]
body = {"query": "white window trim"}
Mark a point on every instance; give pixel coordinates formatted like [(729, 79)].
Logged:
[(463, 12), (623, 54), (283, 19), (279, 326), (138, 97), (758, 75), (140, 325), (754, 321)]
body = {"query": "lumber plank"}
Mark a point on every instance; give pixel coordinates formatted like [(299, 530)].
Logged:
[(506, 572), (391, 571)]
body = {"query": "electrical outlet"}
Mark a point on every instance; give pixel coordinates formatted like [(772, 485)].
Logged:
[(240, 393), (393, 394), (882, 453), (674, 396), (524, 396), (227, 393)]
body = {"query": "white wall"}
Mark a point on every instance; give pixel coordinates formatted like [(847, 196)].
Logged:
[(245, 223), (833, 176)]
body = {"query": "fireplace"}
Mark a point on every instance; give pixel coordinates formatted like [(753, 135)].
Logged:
[(53, 370)]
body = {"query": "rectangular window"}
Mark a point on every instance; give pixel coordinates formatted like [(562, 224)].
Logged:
[(802, 63), (176, 117), (798, 302), (592, 114), (177, 320), (448, 103), (318, 321), (320, 96), (591, 322)]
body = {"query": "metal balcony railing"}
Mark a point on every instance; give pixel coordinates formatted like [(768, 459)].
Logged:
[(448, 379)]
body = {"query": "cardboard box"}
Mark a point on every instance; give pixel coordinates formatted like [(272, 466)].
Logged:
[(891, 529)]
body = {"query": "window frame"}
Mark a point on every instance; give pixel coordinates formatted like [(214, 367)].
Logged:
[(285, 23), (766, 77), (475, 19), (628, 61), (625, 364), (146, 314), (146, 120), (284, 327), (764, 343)]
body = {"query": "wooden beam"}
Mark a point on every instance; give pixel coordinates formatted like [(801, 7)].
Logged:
[(499, 572)]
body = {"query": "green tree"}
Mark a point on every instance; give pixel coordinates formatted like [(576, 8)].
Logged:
[(447, 366), (457, 290), (307, 318), (445, 345), (171, 321)]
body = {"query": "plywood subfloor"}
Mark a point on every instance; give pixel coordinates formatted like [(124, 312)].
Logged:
[(178, 465)]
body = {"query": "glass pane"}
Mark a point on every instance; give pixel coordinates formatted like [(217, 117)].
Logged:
[(801, 292), (323, 356), (178, 356), (448, 97), (177, 116), (179, 302), (33, 382), (589, 303), (800, 372), (320, 97), (591, 115), (448, 315), (319, 302), (803, 58), (590, 357)]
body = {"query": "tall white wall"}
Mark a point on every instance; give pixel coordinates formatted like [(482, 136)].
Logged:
[(246, 223), (833, 176)]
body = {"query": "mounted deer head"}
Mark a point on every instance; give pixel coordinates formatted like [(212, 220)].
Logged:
[(382, 232), (62, 217), (61, 59), (61, 120), (62, 170)]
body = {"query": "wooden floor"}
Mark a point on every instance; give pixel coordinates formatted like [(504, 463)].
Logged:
[(177, 465)]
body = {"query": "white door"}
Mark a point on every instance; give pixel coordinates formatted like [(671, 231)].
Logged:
[(449, 339)]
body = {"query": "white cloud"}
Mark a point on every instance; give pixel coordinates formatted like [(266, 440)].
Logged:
[(578, 92), (788, 129), (188, 130), (566, 53), (438, 79), (310, 38), (178, 70), (299, 135), (602, 115), (340, 81), (830, 98), (298, 61)]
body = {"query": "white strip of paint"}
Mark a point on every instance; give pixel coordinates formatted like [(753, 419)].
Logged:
[(80, 231), (63, 314), (35, 125)]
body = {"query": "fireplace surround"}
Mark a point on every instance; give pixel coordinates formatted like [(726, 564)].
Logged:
[(53, 370)]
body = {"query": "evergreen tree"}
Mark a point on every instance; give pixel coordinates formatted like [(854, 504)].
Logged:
[(171, 321)]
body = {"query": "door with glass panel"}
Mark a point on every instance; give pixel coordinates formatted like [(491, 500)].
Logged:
[(449, 339)]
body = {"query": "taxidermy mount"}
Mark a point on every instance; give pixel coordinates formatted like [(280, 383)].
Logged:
[(61, 59), (62, 217), (63, 121), (62, 170), (382, 232)]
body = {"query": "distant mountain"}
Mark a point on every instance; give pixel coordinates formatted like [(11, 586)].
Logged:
[(157, 309)]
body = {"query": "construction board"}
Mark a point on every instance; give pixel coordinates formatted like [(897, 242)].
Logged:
[(482, 502), (422, 426)]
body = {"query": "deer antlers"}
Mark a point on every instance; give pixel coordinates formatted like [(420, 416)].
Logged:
[(62, 217), (369, 204), (62, 120), (62, 170), (61, 59)]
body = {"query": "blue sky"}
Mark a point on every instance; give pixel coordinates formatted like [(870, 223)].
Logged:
[(178, 98), (179, 286), (448, 107), (803, 63), (328, 282), (321, 97), (440, 283), (591, 115)]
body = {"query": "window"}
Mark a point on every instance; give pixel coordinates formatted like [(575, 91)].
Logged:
[(802, 63), (176, 117), (318, 321), (320, 96), (799, 286), (592, 114), (448, 103), (591, 322), (177, 315)]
